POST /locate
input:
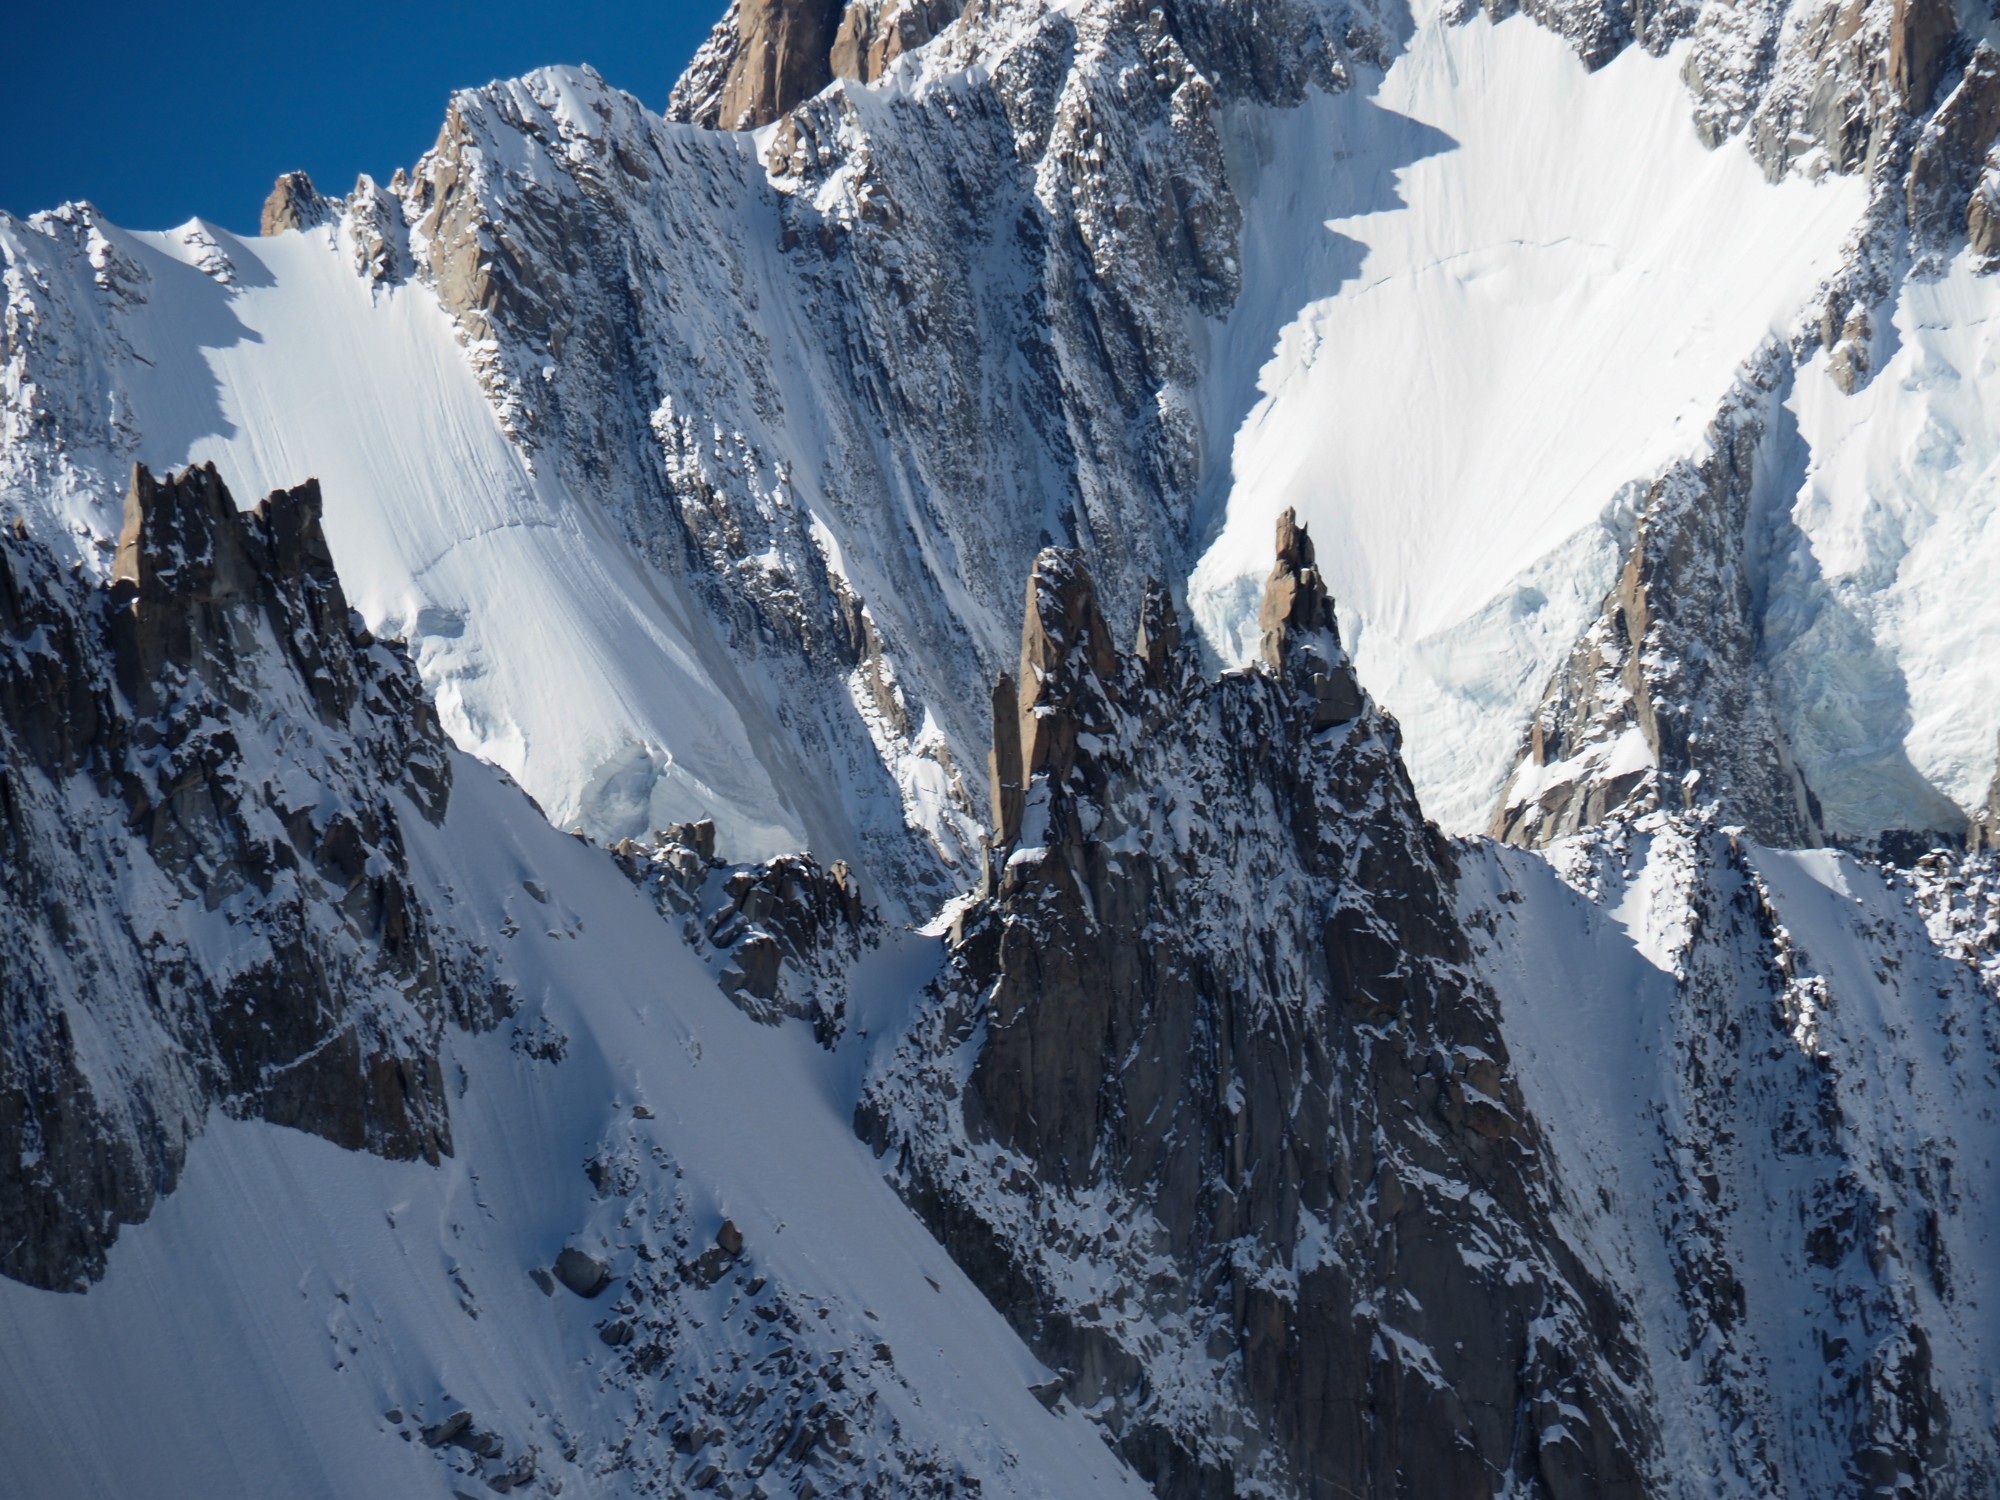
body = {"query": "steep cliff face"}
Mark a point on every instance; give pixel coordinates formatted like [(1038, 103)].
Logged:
[(768, 56), (247, 884), (1986, 824), (1304, 1151), (953, 337), (834, 385), (1210, 1102), (1663, 702), (206, 778)]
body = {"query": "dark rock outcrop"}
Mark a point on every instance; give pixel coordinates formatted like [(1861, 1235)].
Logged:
[(1301, 638), (205, 772), (583, 1273), (1207, 1101), (1985, 831), (780, 937), (1982, 215)]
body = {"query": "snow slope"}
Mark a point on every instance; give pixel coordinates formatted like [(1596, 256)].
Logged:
[(1465, 329), (1883, 612), (1767, 1085), (551, 650), (248, 1340), (1515, 288)]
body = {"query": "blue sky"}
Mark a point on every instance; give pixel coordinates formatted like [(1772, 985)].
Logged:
[(157, 113)]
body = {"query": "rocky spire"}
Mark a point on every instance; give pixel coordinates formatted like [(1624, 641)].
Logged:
[(1219, 999), (1003, 762), (1301, 637), (294, 203), (216, 727), (767, 56), (1158, 641)]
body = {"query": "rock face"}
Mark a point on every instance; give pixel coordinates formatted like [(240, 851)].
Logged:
[(1301, 638), (917, 231), (1208, 1102), (1986, 826), (294, 203), (1761, 1137), (1920, 32), (1950, 153), (765, 57), (1662, 704), (214, 727), (874, 35)]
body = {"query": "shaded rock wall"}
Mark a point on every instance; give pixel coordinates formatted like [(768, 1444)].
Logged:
[(1209, 1102), (1762, 1127), (204, 775), (974, 303), (1986, 824)]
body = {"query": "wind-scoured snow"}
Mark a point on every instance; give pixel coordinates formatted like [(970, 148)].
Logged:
[(1883, 610), (1505, 290)]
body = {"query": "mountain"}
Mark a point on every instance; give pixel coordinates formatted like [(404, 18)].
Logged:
[(589, 942)]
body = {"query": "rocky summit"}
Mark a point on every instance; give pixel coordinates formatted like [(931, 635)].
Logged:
[(594, 942)]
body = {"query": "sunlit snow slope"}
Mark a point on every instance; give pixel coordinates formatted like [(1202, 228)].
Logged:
[(551, 650), (1507, 290)]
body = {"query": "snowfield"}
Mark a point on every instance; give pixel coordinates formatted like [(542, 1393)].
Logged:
[(740, 540), (1884, 616), (1507, 290)]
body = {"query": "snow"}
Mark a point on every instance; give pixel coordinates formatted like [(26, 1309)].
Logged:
[(1648, 1044), (1883, 612), (550, 648), (249, 1337), (1620, 757), (1510, 290)]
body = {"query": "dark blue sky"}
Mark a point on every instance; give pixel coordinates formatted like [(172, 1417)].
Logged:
[(157, 112)]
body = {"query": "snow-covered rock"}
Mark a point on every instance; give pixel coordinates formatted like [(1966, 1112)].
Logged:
[(1620, 370)]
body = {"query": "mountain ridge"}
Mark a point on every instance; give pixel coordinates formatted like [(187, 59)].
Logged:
[(1176, 1107)]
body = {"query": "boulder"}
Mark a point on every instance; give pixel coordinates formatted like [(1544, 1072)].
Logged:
[(448, 1430), (582, 1272)]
